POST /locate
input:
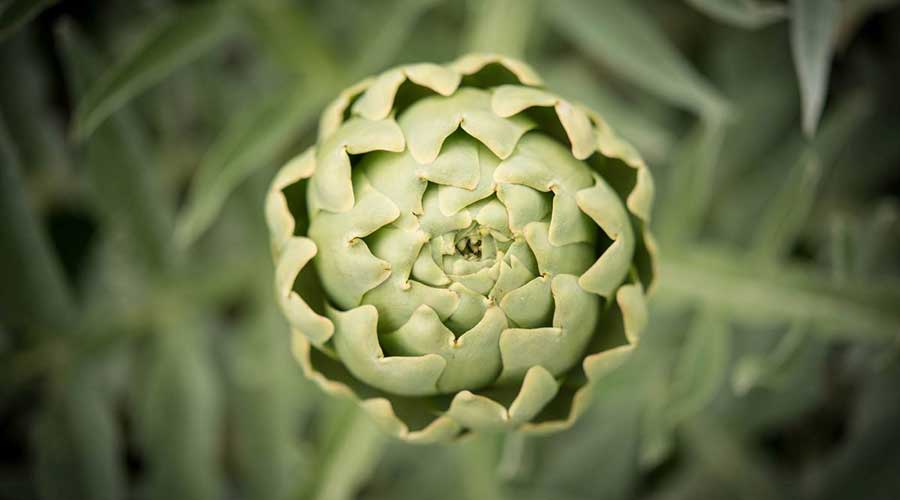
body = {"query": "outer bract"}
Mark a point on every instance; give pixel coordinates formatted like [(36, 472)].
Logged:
[(471, 253)]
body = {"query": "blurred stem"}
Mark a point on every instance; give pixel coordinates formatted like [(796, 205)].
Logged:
[(34, 292), (500, 26)]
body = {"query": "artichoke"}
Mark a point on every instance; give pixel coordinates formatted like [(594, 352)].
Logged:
[(462, 250)]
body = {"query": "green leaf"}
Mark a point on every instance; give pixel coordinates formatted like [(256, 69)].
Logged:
[(380, 39), (770, 369), (477, 460), (350, 453), (702, 365), (178, 412), (182, 37), (33, 292), (268, 400), (291, 37), (15, 13), (749, 14), (786, 215), (76, 444), (813, 28), (864, 311), (621, 36), (691, 182), (119, 163), (500, 26), (251, 141)]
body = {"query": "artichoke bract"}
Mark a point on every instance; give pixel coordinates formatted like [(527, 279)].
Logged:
[(462, 250)]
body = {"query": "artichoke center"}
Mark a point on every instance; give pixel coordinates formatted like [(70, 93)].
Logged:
[(470, 244)]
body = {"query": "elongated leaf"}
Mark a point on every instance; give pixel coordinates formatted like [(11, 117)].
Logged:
[(125, 186), (178, 413), (769, 370), (760, 297), (618, 34), (267, 400), (292, 38), (501, 26), (786, 215), (16, 13), (33, 291), (377, 45), (252, 141), (77, 443), (813, 27), (702, 363), (181, 38), (683, 206), (350, 454), (749, 14)]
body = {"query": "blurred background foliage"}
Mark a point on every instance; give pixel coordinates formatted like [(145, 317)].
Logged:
[(142, 356)]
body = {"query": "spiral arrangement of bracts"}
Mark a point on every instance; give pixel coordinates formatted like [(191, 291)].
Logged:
[(473, 248)]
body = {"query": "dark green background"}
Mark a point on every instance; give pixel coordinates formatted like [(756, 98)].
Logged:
[(142, 355)]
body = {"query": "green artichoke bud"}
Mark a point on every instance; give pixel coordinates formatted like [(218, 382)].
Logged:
[(471, 253)]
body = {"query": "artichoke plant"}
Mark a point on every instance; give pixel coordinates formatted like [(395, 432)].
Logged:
[(462, 250)]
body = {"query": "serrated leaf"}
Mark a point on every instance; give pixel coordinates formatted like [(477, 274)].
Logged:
[(813, 27), (749, 14), (252, 141), (621, 36), (118, 159), (77, 444), (15, 13), (183, 36)]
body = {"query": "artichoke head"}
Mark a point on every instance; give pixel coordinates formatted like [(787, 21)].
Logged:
[(462, 250)]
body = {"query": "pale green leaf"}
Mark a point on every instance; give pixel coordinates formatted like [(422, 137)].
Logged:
[(749, 14), (183, 36), (683, 207), (621, 36), (702, 365), (353, 448), (786, 215), (500, 26), (764, 297), (813, 27)]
